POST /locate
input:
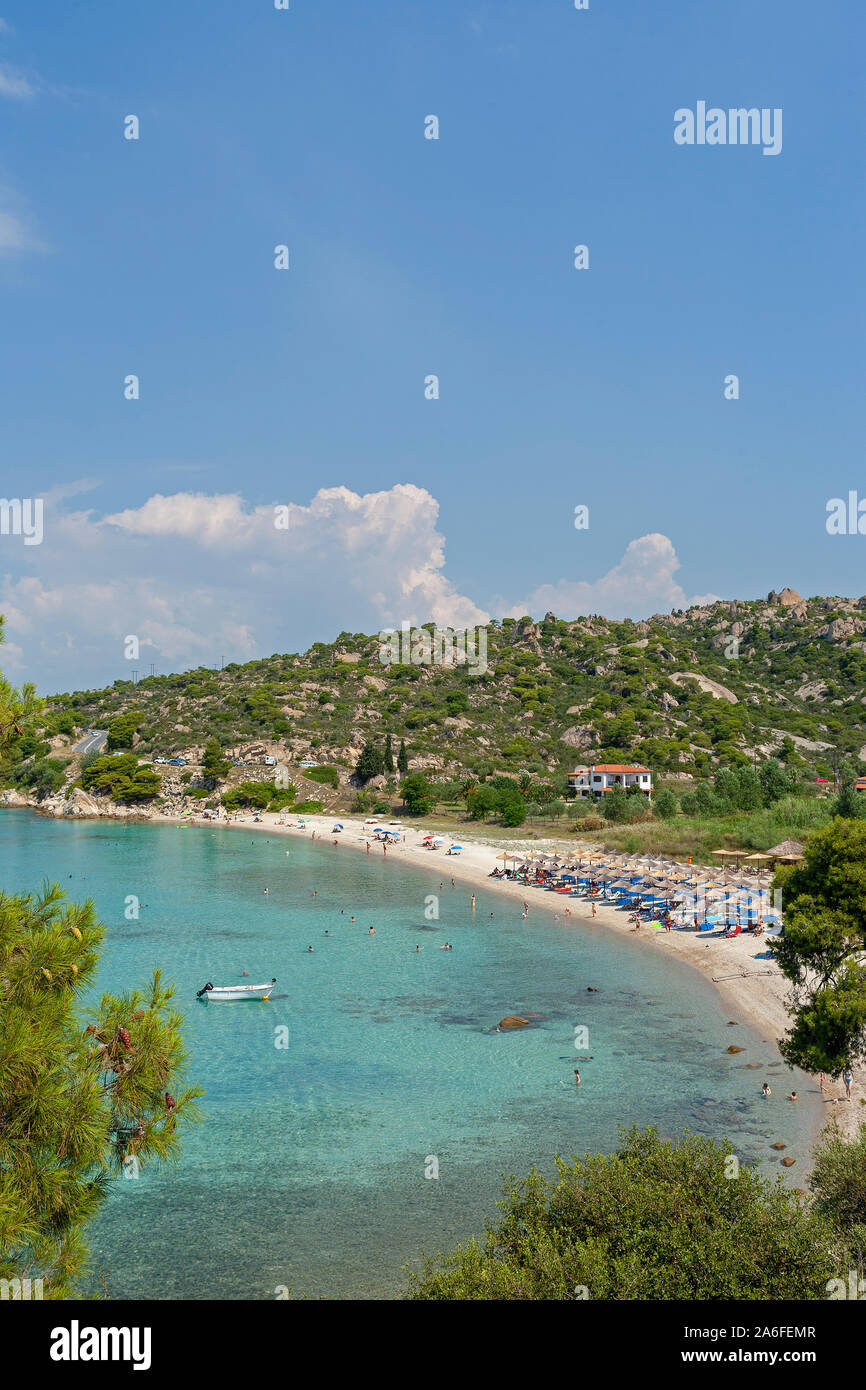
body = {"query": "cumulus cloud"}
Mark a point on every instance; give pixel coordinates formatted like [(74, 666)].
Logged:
[(640, 584), (196, 576)]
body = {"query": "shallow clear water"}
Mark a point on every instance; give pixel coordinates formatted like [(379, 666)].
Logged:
[(309, 1170)]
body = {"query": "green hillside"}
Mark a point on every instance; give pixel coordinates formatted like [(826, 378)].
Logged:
[(555, 694)]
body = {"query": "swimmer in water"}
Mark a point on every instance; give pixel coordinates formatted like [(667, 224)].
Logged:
[(326, 933), (351, 919), (765, 1089), (265, 890), (792, 1096), (314, 892), (577, 1076), (309, 948), (417, 948), (473, 902), (372, 931)]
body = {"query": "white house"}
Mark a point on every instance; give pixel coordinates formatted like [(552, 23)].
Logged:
[(593, 782)]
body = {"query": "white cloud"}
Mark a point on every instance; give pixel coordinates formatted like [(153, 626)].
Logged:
[(14, 235), (197, 576), (14, 84), (640, 584)]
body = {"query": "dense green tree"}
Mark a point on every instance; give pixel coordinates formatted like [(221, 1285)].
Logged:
[(838, 1180), (665, 804), (256, 794), (122, 779), (615, 806), (481, 800), (214, 766), (656, 1220), (417, 797), (850, 803), (388, 758), (78, 1105), (776, 781), (369, 764), (122, 730), (823, 948), (402, 759), (513, 809)]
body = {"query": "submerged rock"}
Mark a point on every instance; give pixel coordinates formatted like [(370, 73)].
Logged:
[(779, 1145), (788, 1162), (733, 1048)]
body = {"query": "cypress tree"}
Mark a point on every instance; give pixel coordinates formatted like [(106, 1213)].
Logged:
[(402, 759)]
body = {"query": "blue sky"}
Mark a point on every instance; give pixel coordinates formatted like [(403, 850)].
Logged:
[(409, 256)]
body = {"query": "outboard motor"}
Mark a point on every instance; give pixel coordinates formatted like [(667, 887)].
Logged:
[(205, 990)]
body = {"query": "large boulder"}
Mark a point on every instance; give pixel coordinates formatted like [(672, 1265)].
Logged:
[(514, 1021), (12, 797)]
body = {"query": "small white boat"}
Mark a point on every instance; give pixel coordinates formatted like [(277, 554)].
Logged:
[(226, 994)]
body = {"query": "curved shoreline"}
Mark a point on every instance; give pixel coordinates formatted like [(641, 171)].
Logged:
[(754, 998), (757, 1000)]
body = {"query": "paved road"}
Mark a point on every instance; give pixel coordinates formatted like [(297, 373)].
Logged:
[(94, 742)]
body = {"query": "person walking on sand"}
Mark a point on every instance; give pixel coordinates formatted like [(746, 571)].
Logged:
[(593, 909), (847, 1078), (821, 1079)]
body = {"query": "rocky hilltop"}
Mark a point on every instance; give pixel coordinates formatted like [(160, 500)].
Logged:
[(683, 692)]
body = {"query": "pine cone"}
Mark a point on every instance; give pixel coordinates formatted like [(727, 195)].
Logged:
[(125, 1038)]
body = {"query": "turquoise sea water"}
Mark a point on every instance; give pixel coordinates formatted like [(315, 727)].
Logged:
[(309, 1170)]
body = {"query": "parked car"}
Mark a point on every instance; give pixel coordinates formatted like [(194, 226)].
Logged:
[(160, 760), (177, 762)]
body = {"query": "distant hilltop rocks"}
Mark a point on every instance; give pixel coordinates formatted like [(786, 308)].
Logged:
[(788, 598)]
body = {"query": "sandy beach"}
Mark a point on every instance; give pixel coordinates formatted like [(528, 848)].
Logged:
[(753, 990)]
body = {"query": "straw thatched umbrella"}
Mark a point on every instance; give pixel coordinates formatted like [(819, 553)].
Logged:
[(789, 851)]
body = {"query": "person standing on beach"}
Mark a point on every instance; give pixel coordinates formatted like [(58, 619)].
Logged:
[(821, 1079), (593, 909), (847, 1078)]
